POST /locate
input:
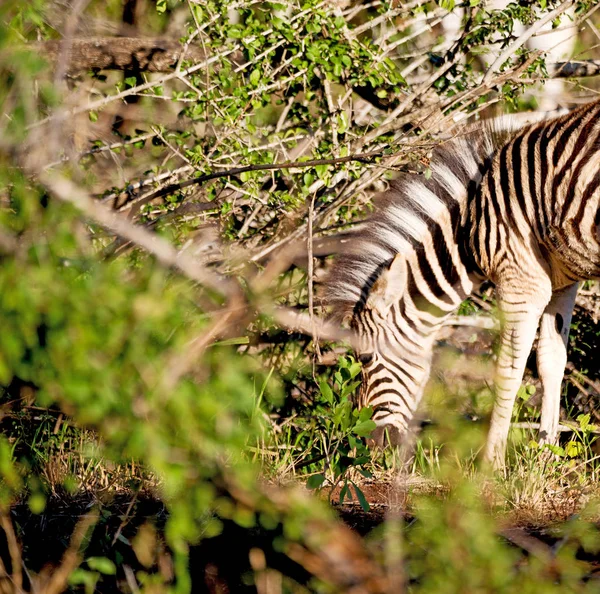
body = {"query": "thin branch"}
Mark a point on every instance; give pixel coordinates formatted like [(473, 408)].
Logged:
[(58, 579), (311, 274), (520, 41), (14, 549), (360, 158), (562, 428), (574, 69), (182, 363)]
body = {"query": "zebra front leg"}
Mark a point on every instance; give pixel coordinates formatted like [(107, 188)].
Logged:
[(521, 316), (552, 357)]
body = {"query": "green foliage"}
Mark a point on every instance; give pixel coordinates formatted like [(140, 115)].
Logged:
[(99, 338), (338, 436), (453, 546)]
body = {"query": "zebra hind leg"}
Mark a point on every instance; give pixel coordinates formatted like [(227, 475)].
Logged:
[(552, 358)]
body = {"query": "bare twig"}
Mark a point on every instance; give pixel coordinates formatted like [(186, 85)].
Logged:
[(14, 549), (520, 41), (310, 274), (56, 581)]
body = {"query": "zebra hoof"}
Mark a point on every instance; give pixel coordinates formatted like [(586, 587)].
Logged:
[(386, 435)]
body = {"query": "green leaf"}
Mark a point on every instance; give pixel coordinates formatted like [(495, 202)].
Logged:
[(523, 394), (342, 415), (364, 428), (345, 492), (584, 421), (556, 450), (93, 115), (83, 577), (235, 32), (321, 170), (326, 391), (342, 122), (355, 368), (255, 77), (308, 179), (315, 481), (37, 503), (361, 498), (232, 341), (573, 449), (102, 564), (348, 388)]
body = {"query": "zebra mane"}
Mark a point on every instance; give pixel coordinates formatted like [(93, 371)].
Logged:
[(409, 207)]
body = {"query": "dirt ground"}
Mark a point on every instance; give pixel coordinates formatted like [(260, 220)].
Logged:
[(219, 564)]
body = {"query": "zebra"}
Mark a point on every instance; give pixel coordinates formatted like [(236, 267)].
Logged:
[(517, 206)]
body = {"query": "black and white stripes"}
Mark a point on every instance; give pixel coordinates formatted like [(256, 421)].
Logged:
[(518, 207)]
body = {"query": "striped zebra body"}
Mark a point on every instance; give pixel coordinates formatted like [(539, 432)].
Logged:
[(517, 207)]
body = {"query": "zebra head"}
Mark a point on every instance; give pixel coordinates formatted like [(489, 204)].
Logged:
[(394, 354)]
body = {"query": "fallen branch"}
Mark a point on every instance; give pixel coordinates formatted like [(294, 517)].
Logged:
[(120, 53), (151, 54)]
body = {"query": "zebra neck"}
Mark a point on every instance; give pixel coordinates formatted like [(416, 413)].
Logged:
[(441, 276)]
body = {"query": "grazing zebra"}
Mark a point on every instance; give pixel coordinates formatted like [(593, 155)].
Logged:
[(518, 207)]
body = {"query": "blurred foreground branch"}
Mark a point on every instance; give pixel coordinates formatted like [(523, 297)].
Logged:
[(67, 191)]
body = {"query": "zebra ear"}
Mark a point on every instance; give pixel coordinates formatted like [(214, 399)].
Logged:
[(347, 319), (390, 285)]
